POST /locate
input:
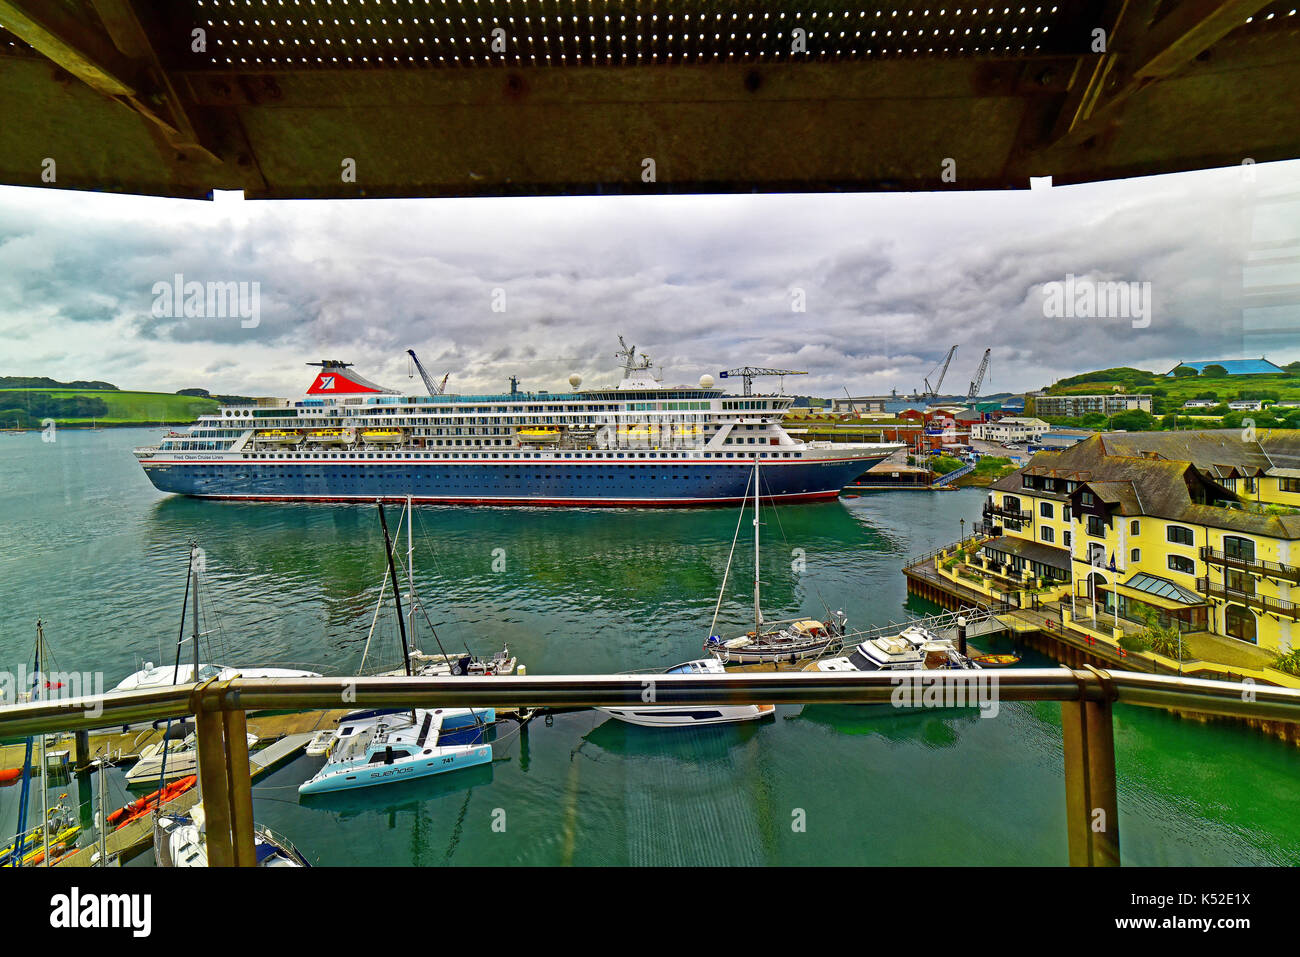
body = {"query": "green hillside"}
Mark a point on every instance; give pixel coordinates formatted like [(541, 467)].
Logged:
[(26, 408), (1169, 393)]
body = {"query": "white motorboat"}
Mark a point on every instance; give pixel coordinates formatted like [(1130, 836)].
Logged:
[(912, 649), (682, 716), (165, 675), (180, 840)]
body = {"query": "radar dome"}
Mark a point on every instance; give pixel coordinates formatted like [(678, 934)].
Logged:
[(575, 380), (706, 381)]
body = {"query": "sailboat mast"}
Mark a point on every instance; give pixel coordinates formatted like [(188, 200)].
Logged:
[(397, 594), (194, 592), (103, 811), (410, 570), (45, 784), (758, 614)]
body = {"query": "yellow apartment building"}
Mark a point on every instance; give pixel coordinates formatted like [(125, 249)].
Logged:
[(1199, 529)]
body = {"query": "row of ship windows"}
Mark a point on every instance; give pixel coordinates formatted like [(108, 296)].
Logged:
[(513, 455)]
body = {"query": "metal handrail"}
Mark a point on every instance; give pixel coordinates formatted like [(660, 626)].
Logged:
[(508, 691), (1086, 721), (1215, 556)]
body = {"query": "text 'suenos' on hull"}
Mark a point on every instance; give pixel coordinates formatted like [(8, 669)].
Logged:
[(638, 443)]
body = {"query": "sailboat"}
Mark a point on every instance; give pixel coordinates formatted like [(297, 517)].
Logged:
[(383, 746), (58, 826), (100, 857), (771, 642), (178, 674), (180, 840)]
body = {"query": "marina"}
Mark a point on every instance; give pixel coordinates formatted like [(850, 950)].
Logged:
[(616, 783)]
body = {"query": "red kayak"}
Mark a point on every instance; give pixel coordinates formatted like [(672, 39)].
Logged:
[(141, 806)]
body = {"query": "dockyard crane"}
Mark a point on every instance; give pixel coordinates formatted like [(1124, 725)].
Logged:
[(749, 373), (428, 380), (932, 391), (979, 376)]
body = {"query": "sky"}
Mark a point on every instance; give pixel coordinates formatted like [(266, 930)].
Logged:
[(865, 291)]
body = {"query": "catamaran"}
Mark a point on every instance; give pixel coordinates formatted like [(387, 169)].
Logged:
[(791, 641), (383, 746), (638, 443)]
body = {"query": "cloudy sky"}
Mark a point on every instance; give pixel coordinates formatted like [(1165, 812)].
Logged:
[(701, 283)]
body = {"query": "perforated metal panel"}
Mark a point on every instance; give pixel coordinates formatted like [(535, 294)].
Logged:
[(463, 97)]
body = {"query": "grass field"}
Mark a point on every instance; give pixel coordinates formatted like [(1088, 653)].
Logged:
[(1179, 390), (123, 408)]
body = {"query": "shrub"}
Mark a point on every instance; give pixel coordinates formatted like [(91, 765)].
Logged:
[(1133, 643), (1290, 661)]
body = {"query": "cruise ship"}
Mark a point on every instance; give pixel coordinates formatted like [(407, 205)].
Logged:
[(639, 443)]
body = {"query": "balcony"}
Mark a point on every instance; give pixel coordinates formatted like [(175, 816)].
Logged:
[(1001, 511), (1287, 573), (1273, 606)]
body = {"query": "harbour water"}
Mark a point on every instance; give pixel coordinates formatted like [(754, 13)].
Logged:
[(89, 546)]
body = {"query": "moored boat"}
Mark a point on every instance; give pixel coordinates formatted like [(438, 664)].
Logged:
[(398, 747), (639, 442), (771, 642), (683, 716), (180, 840), (912, 649)]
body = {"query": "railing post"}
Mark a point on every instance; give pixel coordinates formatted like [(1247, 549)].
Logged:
[(238, 777), (1091, 797), (210, 728)]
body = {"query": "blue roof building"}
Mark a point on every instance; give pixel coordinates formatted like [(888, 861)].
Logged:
[(1260, 366)]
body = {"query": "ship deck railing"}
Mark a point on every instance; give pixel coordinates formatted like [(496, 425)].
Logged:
[(1087, 697)]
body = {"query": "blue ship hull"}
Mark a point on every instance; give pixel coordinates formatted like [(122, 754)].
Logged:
[(528, 482)]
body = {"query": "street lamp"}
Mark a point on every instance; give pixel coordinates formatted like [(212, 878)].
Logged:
[(963, 530)]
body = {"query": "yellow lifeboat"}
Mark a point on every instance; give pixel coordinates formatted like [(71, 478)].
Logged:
[(539, 435), (330, 436), (635, 432), (279, 437), (382, 436)]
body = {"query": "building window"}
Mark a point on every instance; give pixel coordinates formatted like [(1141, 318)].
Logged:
[(1011, 503), (1239, 548), (1239, 623), (1086, 498), (1045, 509), (1135, 555), (1239, 581), (1179, 535), (1047, 534), (1133, 527), (1065, 539), (1180, 563), (1096, 527), (1289, 485)]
